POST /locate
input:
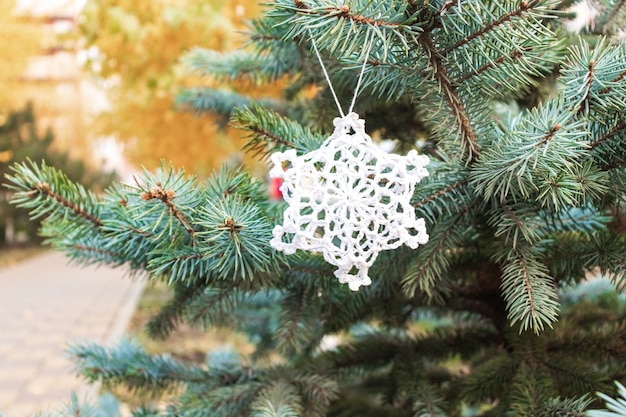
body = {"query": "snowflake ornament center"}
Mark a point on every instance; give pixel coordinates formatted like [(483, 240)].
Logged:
[(348, 200)]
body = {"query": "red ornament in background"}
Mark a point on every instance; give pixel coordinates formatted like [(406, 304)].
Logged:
[(274, 188)]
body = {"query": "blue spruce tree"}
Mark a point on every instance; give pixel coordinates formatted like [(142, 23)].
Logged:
[(524, 124)]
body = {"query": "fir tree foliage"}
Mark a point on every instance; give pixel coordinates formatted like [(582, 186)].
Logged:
[(20, 139), (524, 124), (616, 407)]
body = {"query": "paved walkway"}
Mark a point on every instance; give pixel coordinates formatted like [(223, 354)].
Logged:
[(45, 304)]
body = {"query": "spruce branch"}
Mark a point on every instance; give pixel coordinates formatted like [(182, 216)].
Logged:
[(617, 79), (447, 5), (489, 380), (167, 198), (527, 289), (235, 235), (229, 389), (443, 192), (514, 56), (593, 78), (44, 188), (384, 79), (440, 193), (96, 252), (287, 337), (298, 324), (567, 407), (236, 65), (434, 259), (49, 192), (389, 25), (469, 143), (163, 203), (218, 102), (265, 34), (317, 392), (524, 7), (610, 135), (537, 159), (130, 365), (605, 251), (482, 62), (573, 377), (428, 402), (214, 306), (615, 407), (278, 399), (271, 132), (516, 222), (584, 104), (172, 313), (615, 164), (531, 388)]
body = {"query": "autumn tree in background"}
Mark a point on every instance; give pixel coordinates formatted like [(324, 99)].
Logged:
[(139, 45), (18, 42)]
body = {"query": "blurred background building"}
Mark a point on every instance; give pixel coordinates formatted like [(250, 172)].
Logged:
[(63, 96)]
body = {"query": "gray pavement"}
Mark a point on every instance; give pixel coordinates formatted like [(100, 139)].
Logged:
[(45, 304)]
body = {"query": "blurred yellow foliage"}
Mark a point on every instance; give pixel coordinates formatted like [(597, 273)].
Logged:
[(19, 41), (140, 43)]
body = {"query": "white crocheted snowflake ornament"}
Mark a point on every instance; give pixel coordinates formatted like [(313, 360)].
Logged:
[(348, 200)]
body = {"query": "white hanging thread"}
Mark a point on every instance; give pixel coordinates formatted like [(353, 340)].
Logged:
[(348, 200), (330, 84)]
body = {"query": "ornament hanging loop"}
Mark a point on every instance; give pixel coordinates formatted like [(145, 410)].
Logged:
[(358, 83), (330, 84)]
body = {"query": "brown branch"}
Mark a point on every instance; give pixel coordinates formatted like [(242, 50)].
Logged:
[(440, 193), (266, 38), (344, 13), (450, 94), (409, 290), (44, 188), (210, 304), (548, 136), (612, 132), (124, 203), (140, 232), (447, 6), (294, 317), (619, 77), (616, 164), (620, 126), (614, 80), (166, 196), (231, 226), (99, 251), (524, 268), (239, 397), (186, 257), (524, 6), (415, 7), (512, 215), (592, 66), (277, 139), (514, 55)]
